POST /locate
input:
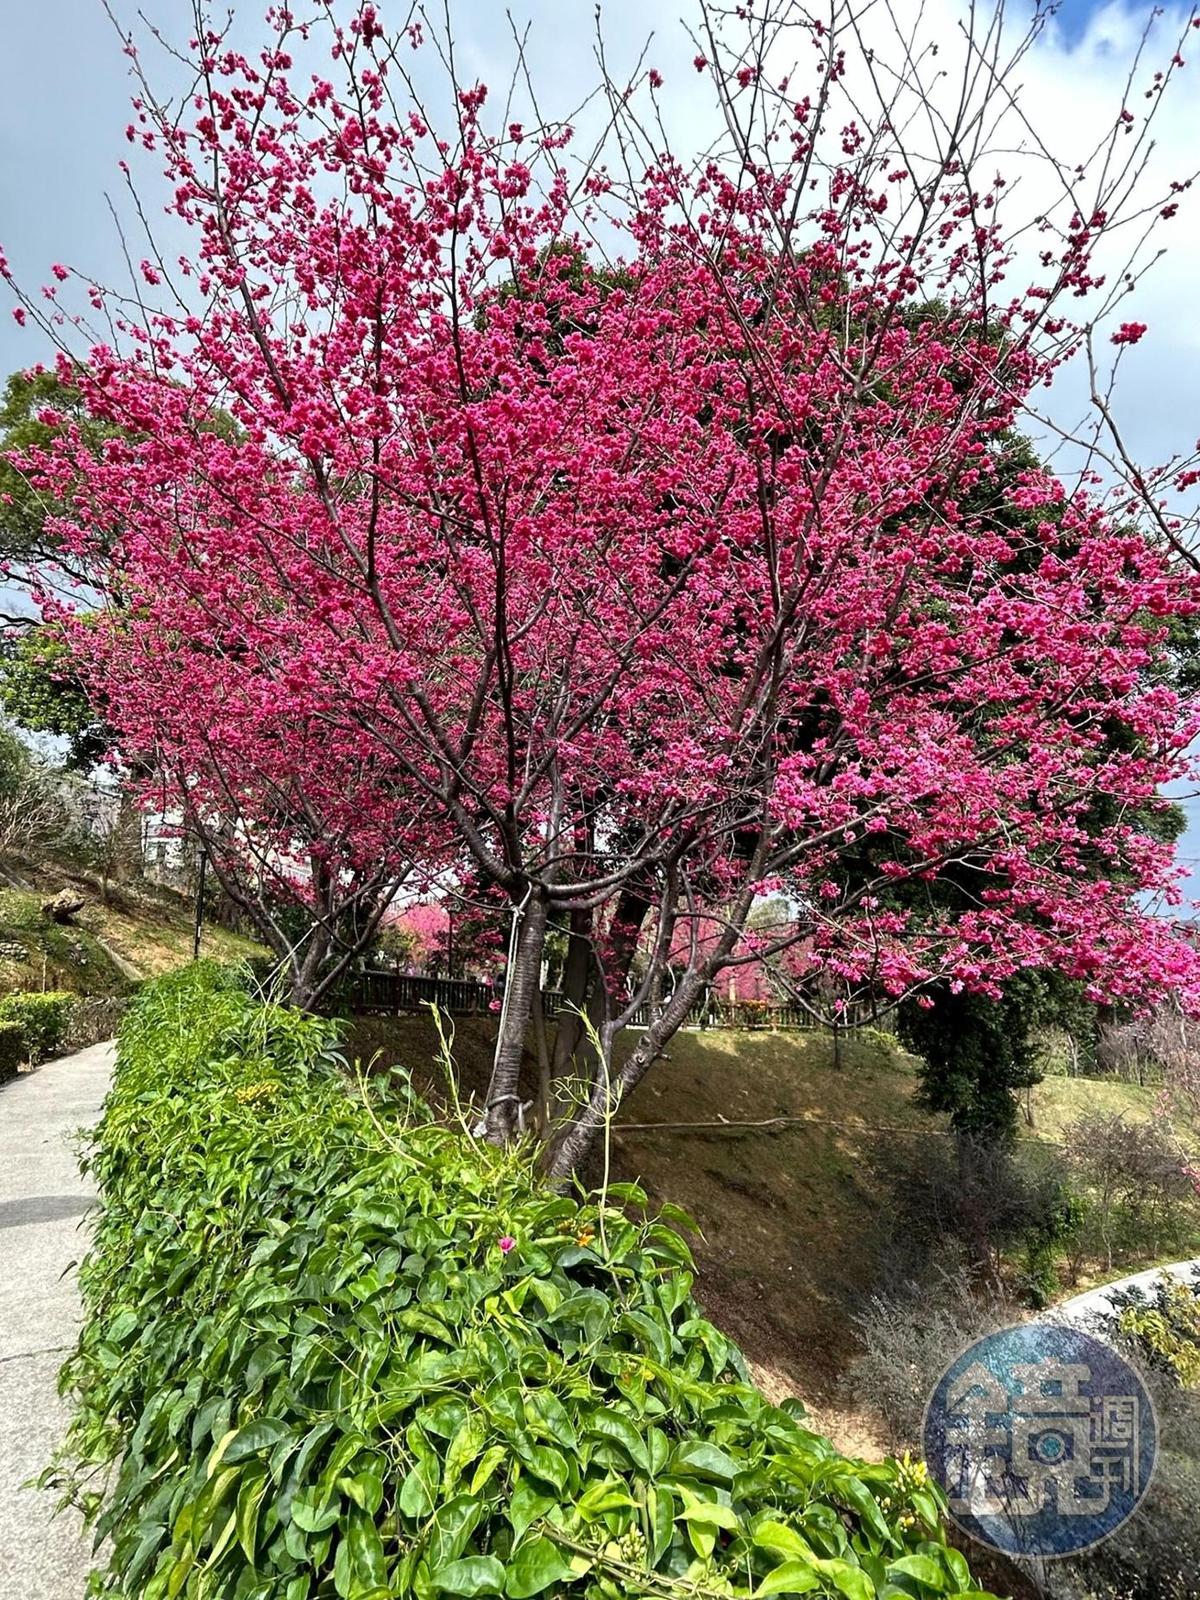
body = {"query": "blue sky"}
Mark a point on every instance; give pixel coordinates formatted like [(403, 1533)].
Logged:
[(65, 86)]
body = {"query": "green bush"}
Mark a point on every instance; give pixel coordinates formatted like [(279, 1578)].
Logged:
[(1163, 1327), (42, 1018), (12, 1049), (331, 1348), (887, 1044)]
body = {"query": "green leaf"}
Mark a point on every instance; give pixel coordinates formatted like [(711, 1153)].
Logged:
[(464, 1449), (490, 1461), (313, 1511), (535, 1567), (957, 1564), (694, 1459), (586, 1308), (224, 1538), (660, 1507), (678, 1217), (122, 1325), (600, 1498), (651, 1335), (923, 1568), (313, 1441), (526, 1505), (702, 1537), (218, 1454), (612, 1425), (793, 1577), (783, 1540), (470, 1576), (249, 1501), (444, 1417), (151, 1541), (926, 1507), (344, 1452), (546, 1414), (865, 1503), (366, 1548), (262, 1434), (453, 1524), (708, 1511), (416, 1495), (548, 1292), (419, 1321), (851, 1581), (546, 1463), (365, 1489)]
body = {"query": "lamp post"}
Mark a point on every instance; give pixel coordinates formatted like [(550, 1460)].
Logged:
[(199, 922)]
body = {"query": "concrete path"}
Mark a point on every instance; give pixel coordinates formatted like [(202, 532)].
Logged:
[(42, 1201), (1083, 1308)]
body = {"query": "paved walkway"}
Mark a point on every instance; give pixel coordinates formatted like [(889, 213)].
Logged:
[(42, 1199), (1095, 1302)]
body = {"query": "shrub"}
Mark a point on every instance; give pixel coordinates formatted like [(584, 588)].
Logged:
[(909, 1337), (1153, 1556), (93, 1018), (42, 1018), (1163, 1327), (1004, 1206), (12, 1050), (331, 1348), (1055, 1228), (1137, 1178), (887, 1044)]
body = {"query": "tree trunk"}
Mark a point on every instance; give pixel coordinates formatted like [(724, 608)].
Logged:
[(610, 1089), (544, 1109), (522, 982), (590, 989), (577, 984), (976, 1155)]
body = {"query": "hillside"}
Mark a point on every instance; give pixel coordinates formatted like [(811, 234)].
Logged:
[(142, 930)]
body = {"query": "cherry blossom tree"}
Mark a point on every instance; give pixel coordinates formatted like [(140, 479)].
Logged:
[(286, 811), (638, 534)]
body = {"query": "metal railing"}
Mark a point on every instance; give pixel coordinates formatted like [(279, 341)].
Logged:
[(385, 993)]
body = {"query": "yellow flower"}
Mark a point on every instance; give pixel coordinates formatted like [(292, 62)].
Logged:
[(262, 1090)]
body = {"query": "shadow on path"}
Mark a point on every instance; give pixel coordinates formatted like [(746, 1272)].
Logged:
[(44, 1202)]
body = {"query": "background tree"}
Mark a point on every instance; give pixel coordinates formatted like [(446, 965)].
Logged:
[(41, 691), (31, 805), (978, 1054), (33, 557)]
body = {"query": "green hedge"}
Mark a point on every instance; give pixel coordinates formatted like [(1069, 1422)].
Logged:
[(332, 1349), (12, 1050), (42, 1018)]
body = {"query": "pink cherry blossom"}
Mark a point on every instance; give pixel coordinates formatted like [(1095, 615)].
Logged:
[(448, 550)]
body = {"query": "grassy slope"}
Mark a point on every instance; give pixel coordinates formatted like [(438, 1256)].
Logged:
[(792, 1229), (149, 929), (797, 1220)]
